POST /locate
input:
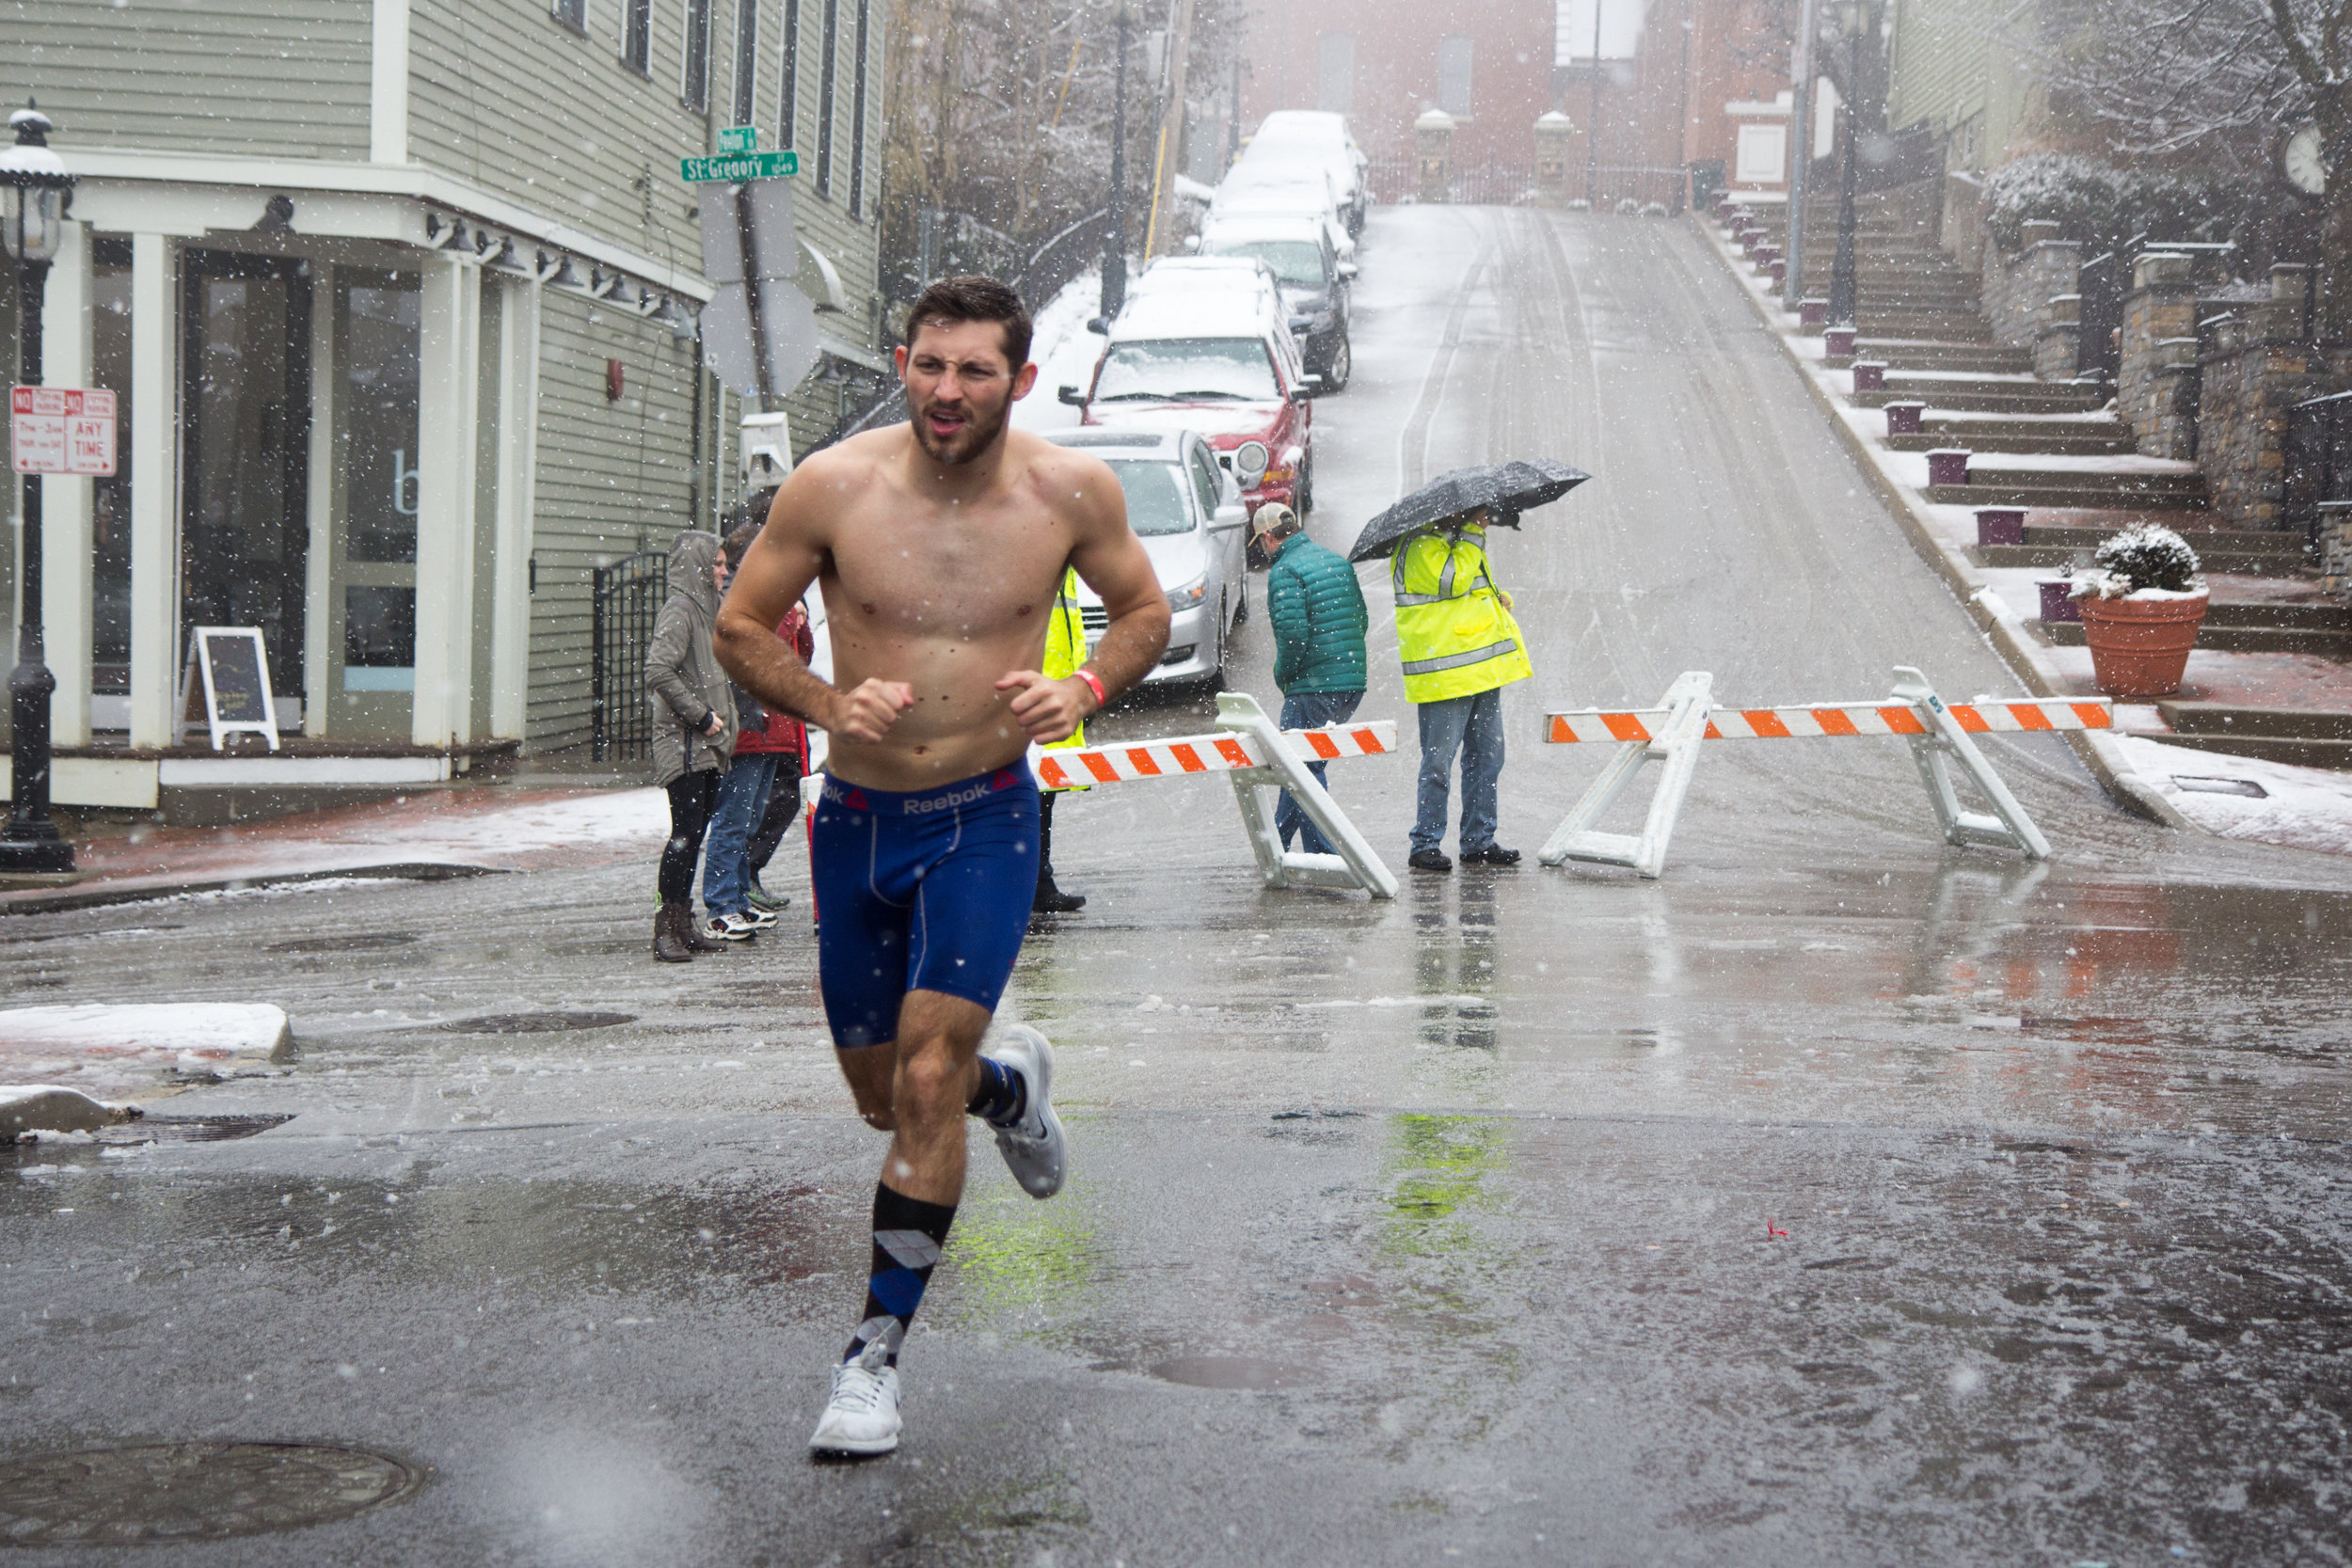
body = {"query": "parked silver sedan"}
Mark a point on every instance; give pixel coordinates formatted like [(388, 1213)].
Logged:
[(1188, 514)]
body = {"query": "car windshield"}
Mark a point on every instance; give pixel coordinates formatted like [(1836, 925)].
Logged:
[(1156, 498), (1294, 262), (1184, 368)]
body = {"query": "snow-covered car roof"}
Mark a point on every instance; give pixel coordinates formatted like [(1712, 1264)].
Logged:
[(1199, 313), (1241, 227), (1301, 126)]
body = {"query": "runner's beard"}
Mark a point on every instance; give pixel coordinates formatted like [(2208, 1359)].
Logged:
[(977, 436)]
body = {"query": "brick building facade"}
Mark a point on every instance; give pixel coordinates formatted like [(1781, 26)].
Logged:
[(1488, 63)]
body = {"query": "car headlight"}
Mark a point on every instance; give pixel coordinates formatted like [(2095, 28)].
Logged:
[(1249, 461), (1190, 594)]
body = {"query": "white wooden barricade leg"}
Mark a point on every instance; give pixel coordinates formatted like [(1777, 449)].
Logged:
[(2009, 826), (1355, 865), (1676, 744)]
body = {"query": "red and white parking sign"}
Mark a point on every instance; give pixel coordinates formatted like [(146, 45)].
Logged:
[(62, 430)]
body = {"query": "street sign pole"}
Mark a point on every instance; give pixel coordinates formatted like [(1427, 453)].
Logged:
[(741, 196)]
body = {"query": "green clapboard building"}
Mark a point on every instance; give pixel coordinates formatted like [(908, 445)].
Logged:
[(400, 301)]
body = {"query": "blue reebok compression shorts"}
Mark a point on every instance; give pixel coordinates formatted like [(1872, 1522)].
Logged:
[(920, 892)]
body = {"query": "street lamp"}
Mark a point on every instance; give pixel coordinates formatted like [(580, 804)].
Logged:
[(34, 191), (1841, 278)]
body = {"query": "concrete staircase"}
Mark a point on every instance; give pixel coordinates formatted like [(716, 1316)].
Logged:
[(1918, 314)]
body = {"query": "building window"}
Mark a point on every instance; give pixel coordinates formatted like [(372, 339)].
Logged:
[(1453, 74), (572, 13), (746, 58), (1762, 157), (788, 122), (857, 113), (824, 97), (1335, 74), (637, 36), (695, 94)]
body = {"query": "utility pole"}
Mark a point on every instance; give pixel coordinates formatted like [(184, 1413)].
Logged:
[(1801, 150), (1114, 234), (1170, 156)]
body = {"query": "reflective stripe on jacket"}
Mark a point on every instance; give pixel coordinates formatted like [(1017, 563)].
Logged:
[(1066, 642), (1453, 631)]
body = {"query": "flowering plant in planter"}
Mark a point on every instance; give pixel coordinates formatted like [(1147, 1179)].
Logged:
[(2141, 604)]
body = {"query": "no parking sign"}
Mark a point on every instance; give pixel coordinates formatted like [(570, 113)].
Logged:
[(62, 430)]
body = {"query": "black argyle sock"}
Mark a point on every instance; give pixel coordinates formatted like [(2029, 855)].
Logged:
[(1000, 1096), (908, 1236)]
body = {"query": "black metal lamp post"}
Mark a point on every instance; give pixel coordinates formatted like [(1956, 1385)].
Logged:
[(1841, 276), (1115, 235), (34, 188)]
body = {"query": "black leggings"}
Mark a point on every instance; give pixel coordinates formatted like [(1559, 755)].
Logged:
[(784, 807), (692, 796)]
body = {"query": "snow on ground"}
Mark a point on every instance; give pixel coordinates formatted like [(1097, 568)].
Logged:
[(2302, 808), (1064, 351), (113, 1048), (501, 827)]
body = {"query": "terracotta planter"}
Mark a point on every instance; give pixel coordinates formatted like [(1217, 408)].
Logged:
[(2140, 647)]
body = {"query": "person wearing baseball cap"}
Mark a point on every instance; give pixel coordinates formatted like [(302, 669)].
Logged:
[(1316, 611)]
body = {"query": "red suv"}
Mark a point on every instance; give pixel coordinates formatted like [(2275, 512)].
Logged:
[(1203, 344)]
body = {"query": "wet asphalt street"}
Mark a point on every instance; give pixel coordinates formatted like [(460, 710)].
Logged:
[(1838, 1199)]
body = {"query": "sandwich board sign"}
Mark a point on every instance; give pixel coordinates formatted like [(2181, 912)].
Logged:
[(62, 430), (225, 686)]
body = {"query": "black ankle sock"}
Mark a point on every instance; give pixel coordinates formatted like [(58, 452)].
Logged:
[(1000, 1096), (908, 1236)]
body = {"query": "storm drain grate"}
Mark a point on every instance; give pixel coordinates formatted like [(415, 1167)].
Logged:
[(358, 941), (189, 1491), (534, 1023)]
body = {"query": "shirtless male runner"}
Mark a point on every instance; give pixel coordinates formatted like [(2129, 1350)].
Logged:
[(940, 544)]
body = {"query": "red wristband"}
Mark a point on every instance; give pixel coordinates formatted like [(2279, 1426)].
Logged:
[(1094, 684)]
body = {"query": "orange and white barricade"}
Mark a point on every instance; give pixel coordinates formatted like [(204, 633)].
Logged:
[(1938, 734), (1249, 749)]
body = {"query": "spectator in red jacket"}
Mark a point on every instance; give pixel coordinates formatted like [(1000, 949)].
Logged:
[(785, 738)]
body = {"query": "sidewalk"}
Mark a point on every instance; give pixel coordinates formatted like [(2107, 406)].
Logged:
[(2150, 766), (425, 836)]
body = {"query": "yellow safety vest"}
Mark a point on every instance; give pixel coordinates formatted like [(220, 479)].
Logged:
[(1453, 630), (1066, 642)]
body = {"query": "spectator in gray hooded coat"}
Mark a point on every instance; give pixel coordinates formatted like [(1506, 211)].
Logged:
[(693, 731)]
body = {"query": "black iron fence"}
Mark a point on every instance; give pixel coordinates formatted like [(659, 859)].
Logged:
[(2318, 474), (628, 596)]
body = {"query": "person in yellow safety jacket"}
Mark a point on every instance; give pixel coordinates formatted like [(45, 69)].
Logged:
[(1065, 650), (1460, 647)]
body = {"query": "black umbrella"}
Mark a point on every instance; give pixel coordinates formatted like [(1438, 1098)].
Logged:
[(1504, 489)]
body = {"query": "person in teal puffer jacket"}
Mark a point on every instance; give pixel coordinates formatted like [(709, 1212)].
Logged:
[(1317, 613)]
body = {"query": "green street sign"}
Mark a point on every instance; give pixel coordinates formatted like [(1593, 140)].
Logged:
[(739, 138), (738, 166)]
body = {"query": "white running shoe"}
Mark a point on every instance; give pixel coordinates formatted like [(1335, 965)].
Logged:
[(729, 928), (1033, 1147), (753, 916), (862, 1418)]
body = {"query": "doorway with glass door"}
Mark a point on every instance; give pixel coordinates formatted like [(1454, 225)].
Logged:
[(245, 427)]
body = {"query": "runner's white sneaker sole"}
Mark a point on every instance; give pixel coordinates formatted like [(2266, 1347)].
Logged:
[(862, 1418), (1034, 1150)]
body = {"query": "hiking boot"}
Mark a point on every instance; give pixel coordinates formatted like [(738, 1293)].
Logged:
[(768, 902), (1493, 854), (1051, 899), (669, 935), (1429, 860)]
